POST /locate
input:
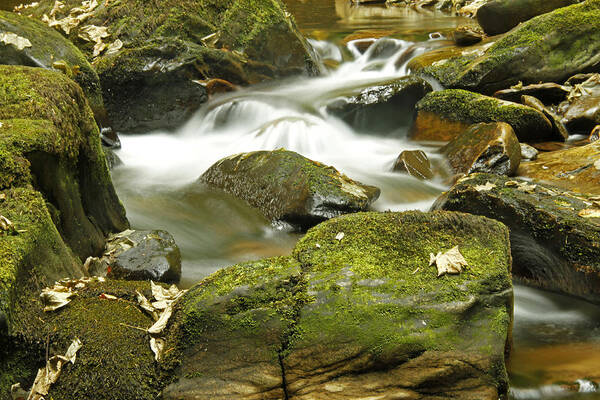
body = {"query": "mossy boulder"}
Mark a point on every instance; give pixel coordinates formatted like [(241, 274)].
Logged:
[(499, 16), (288, 187), (548, 48), (157, 52), (383, 108), (555, 238), (492, 148), (356, 317), (445, 114), (115, 360), (577, 168), (49, 49), (54, 175)]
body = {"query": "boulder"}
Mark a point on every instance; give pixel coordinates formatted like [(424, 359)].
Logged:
[(414, 163), (576, 168), (381, 108), (57, 191), (580, 112), (355, 312), (289, 187), (44, 47), (499, 16), (548, 48), (466, 36), (555, 234), (445, 114), (558, 127), (153, 56), (138, 255), (548, 93), (491, 148)]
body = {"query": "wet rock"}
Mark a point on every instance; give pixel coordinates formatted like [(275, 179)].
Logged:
[(499, 16), (559, 129), (492, 148), (49, 49), (595, 134), (382, 108), (287, 186), (355, 312), (580, 112), (548, 48), (445, 114), (548, 93), (149, 66), (112, 159), (414, 163), (466, 36), (53, 173), (554, 242), (576, 168), (528, 152), (139, 255)]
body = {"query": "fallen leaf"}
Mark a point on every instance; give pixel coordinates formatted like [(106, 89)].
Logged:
[(162, 322), (145, 304), (590, 213), (450, 262), (56, 297), (107, 296), (340, 236), (114, 47), (71, 353), (6, 225), (9, 38), (484, 188), (157, 345)]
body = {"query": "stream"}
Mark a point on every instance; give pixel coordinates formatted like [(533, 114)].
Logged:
[(556, 338)]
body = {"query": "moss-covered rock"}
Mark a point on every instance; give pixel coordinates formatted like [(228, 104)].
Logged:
[(445, 114), (287, 186), (168, 44), (49, 49), (499, 16), (115, 361), (360, 316), (383, 108), (59, 194), (577, 168), (548, 48), (555, 239)]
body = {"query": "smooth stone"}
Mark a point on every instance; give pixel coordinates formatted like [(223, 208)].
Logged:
[(492, 148), (581, 111), (553, 245), (465, 36), (443, 115), (558, 127), (499, 16), (288, 187), (576, 168), (414, 163), (528, 152)]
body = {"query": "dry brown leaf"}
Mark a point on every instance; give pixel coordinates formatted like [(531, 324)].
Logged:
[(484, 188), (56, 297), (162, 322), (590, 213), (145, 304), (9, 38), (450, 262), (157, 345)]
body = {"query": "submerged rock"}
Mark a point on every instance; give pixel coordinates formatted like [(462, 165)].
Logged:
[(139, 255), (445, 114), (154, 52), (355, 312), (49, 141), (555, 235), (576, 168), (414, 163), (46, 48), (499, 16), (287, 186), (492, 148), (383, 108), (547, 48)]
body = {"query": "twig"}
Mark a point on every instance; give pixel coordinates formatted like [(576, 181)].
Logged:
[(133, 327)]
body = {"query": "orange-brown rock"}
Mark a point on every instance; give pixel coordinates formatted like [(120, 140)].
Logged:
[(414, 163)]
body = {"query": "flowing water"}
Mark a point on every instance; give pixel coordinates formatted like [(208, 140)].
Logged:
[(556, 338)]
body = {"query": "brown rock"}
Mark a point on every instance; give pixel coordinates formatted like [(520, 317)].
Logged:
[(595, 135), (581, 111), (559, 129), (548, 93), (414, 163), (492, 148), (465, 36), (215, 86), (577, 168)]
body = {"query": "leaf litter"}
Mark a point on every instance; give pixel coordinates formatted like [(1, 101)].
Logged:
[(450, 262)]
